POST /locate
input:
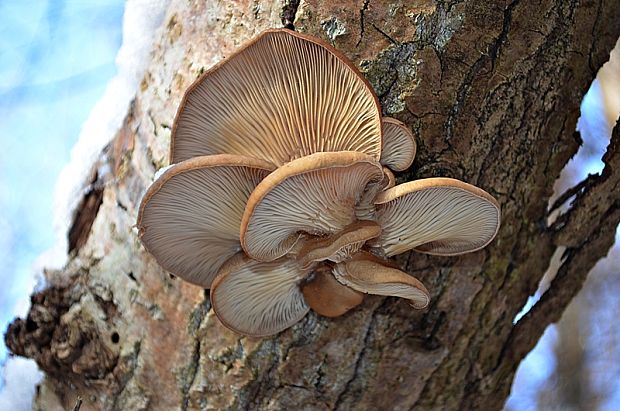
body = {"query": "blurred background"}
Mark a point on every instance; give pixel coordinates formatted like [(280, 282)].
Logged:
[(68, 70), (56, 58)]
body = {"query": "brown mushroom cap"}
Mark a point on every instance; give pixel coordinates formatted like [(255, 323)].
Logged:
[(337, 247), (316, 194), (439, 216), (282, 96), (328, 297), (189, 218), (258, 299), (389, 180), (369, 276), (399, 145)]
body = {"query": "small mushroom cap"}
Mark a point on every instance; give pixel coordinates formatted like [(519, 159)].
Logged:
[(369, 276), (282, 96), (399, 145), (258, 299), (316, 194), (190, 216), (339, 246), (328, 297), (440, 216), (389, 180)]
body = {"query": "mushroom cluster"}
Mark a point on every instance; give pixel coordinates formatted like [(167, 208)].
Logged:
[(281, 196)]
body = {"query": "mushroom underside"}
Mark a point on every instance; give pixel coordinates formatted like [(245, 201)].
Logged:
[(439, 216), (189, 219), (277, 99), (259, 298)]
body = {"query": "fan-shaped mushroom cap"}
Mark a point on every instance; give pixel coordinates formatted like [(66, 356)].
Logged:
[(316, 194), (369, 276), (327, 296), (337, 247), (399, 145), (258, 299), (439, 216), (189, 218), (282, 96)]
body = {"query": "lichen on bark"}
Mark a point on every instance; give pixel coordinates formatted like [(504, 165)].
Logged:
[(492, 90)]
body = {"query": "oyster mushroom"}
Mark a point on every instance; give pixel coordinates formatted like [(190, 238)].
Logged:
[(399, 145), (259, 298), (190, 216), (340, 246), (283, 186), (316, 194), (370, 275), (327, 296), (282, 96), (441, 216)]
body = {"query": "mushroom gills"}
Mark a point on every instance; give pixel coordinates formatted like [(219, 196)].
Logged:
[(256, 298), (276, 99), (399, 147), (366, 274), (340, 246), (316, 195), (439, 216), (365, 207), (190, 217)]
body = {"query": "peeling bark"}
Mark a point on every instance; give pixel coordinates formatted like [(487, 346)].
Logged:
[(492, 90)]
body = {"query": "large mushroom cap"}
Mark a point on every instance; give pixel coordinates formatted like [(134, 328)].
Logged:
[(399, 145), (316, 194), (258, 299), (439, 216), (282, 96), (369, 275), (189, 218)]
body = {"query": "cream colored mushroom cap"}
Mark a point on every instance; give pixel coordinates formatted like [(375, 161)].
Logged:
[(189, 218), (316, 194), (282, 96), (439, 216), (258, 299)]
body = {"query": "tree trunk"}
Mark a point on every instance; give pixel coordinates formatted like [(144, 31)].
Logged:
[(491, 89)]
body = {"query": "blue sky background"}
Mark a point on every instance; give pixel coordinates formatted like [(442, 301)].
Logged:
[(56, 57)]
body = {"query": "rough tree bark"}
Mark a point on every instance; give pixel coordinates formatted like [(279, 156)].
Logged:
[(492, 91)]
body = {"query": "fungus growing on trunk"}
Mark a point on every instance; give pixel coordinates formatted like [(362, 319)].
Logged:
[(189, 218), (282, 96), (399, 146), (316, 194), (327, 296), (440, 216), (282, 201), (368, 274), (259, 298), (340, 246)]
